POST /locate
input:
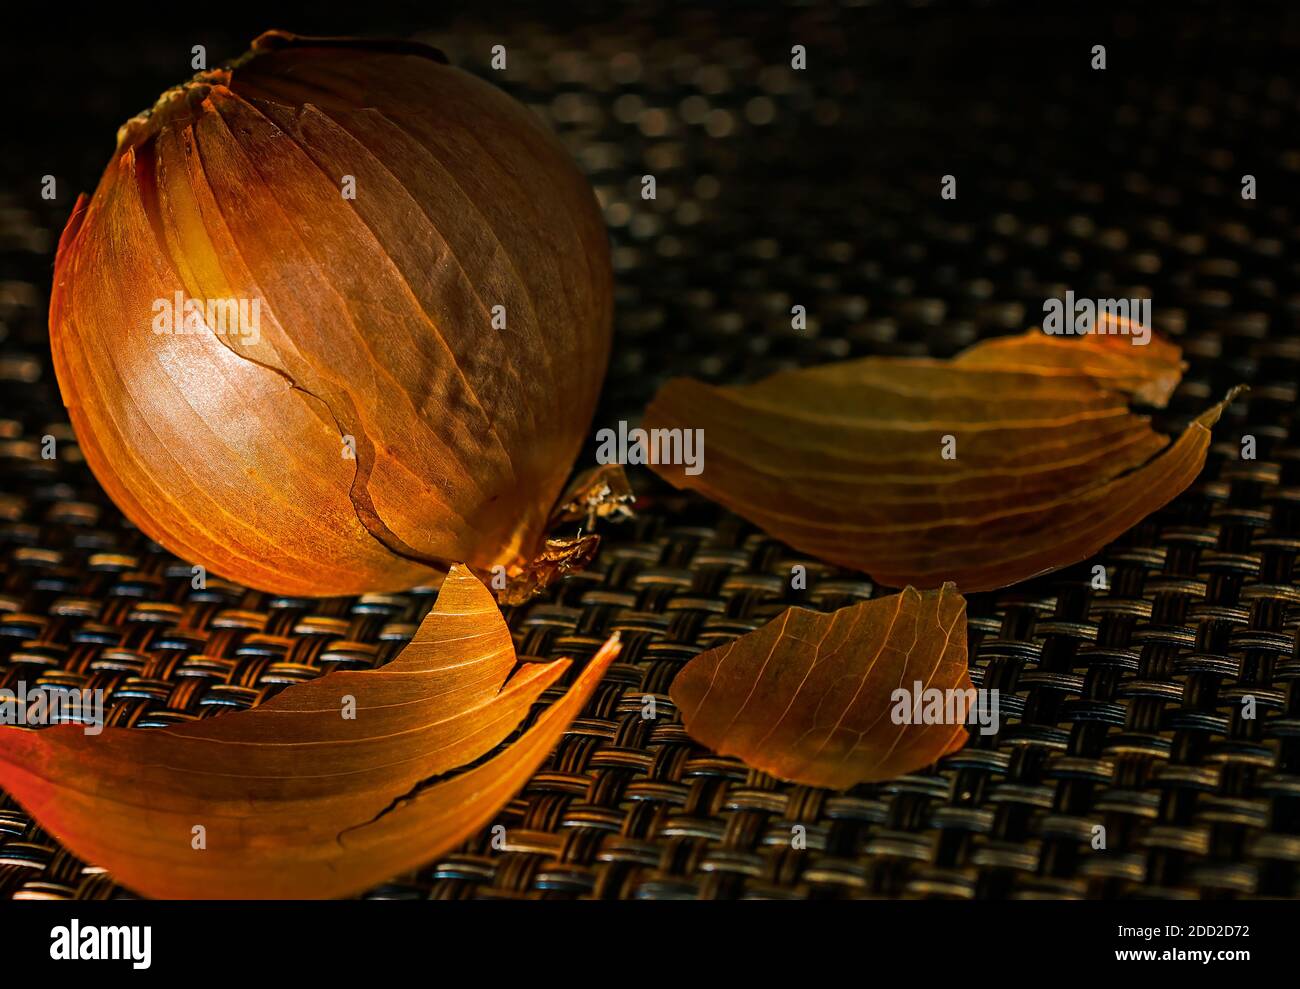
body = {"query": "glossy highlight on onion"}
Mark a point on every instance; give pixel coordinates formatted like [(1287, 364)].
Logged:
[(335, 315)]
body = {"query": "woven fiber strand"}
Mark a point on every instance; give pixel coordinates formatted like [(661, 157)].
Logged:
[(1121, 708)]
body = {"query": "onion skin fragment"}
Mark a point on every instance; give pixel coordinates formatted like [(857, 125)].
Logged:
[(846, 461)]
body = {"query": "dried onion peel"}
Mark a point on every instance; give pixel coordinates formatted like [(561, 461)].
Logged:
[(850, 461)]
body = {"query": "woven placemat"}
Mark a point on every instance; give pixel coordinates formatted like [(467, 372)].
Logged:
[(778, 187)]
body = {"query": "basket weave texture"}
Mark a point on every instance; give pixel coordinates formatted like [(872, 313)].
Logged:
[(778, 187)]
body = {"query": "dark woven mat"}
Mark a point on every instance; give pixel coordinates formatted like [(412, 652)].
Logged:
[(1121, 708)]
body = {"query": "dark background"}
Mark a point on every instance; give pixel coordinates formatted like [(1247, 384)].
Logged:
[(896, 95)]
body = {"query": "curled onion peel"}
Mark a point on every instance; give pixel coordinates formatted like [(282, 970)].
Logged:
[(370, 422)]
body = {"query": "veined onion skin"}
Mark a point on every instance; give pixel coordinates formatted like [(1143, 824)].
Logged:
[(374, 319)]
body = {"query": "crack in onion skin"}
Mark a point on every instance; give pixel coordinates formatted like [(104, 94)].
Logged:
[(375, 319)]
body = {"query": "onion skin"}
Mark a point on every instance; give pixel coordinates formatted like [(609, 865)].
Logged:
[(375, 319)]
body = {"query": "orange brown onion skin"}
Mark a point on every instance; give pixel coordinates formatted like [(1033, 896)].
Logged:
[(374, 319)]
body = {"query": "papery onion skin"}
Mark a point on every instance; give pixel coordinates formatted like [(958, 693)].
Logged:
[(375, 319)]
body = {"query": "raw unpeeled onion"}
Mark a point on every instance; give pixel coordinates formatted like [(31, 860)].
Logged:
[(412, 312)]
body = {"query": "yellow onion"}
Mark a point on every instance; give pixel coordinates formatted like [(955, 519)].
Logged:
[(336, 314)]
